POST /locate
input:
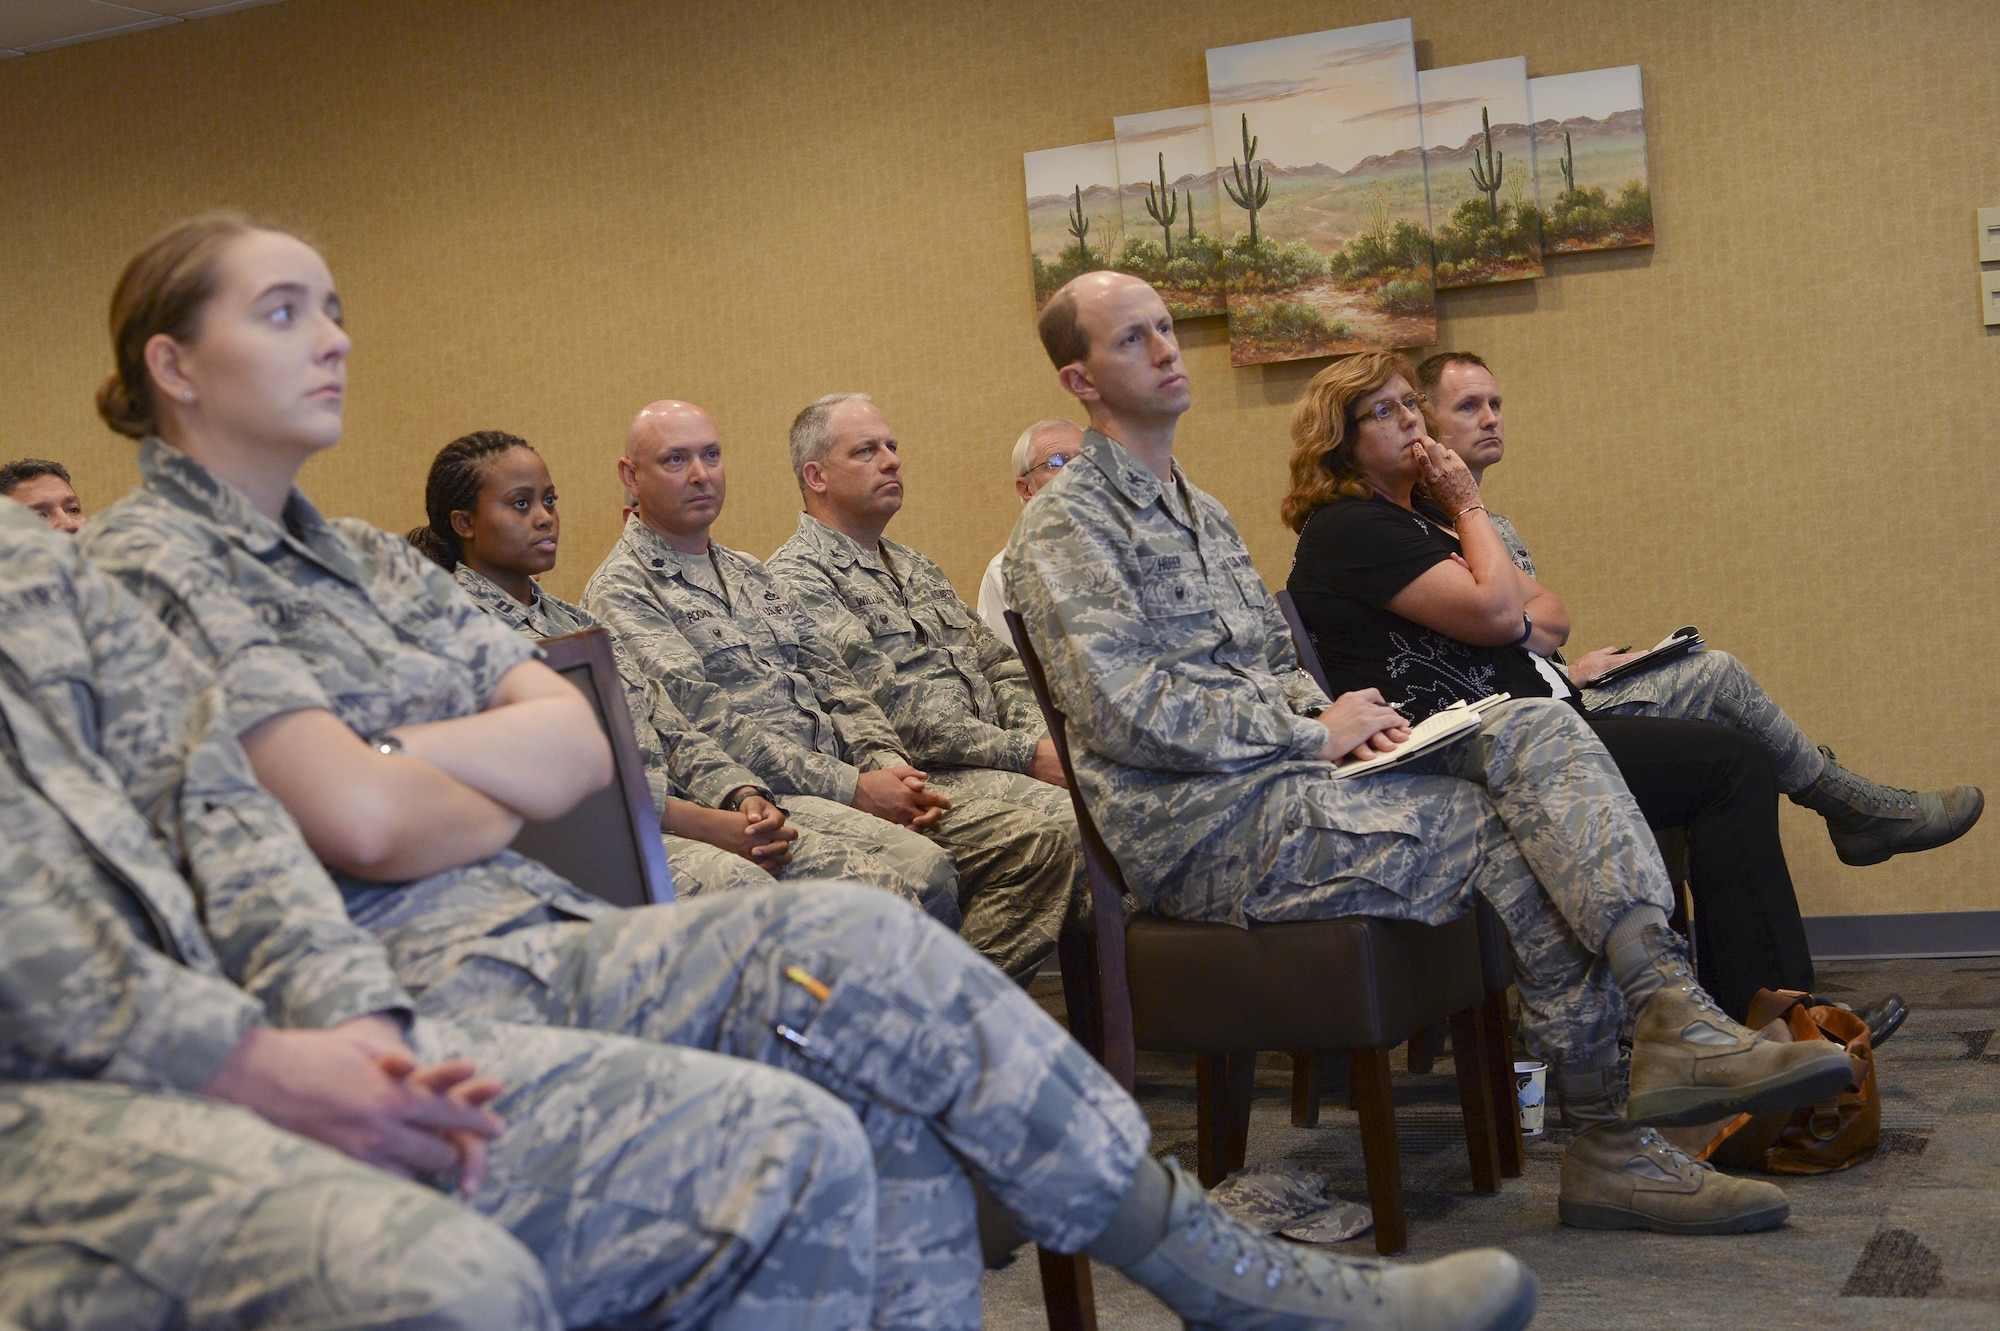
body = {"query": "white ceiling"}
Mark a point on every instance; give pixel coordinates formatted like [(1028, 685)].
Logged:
[(27, 26)]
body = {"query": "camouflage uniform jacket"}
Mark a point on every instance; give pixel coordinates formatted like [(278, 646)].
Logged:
[(1517, 549), (681, 762), (121, 784), (1175, 673), (340, 616), (743, 661), (957, 694)]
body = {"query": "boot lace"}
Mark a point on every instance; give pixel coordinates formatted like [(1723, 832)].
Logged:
[(1859, 791), (1225, 1241), (1673, 954), (1653, 1141)]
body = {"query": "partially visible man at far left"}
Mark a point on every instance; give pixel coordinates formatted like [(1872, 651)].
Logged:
[(46, 488)]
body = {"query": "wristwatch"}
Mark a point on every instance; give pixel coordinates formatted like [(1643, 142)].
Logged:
[(386, 744), (734, 801)]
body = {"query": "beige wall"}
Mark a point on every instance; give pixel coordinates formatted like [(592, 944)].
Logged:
[(1775, 424)]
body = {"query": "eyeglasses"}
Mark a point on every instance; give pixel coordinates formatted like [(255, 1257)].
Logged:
[(1054, 462), (1382, 411)]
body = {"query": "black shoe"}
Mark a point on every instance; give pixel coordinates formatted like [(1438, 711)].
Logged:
[(1884, 1016)]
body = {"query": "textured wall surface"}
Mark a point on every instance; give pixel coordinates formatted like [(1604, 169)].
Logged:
[(544, 213)]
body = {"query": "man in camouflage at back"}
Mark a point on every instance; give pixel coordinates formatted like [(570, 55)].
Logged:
[(756, 673), (833, 841), (161, 920), (957, 695), (1187, 715), (1867, 821)]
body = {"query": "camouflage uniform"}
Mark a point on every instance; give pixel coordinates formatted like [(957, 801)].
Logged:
[(957, 695), (156, 905), (1180, 684), (834, 841), (947, 1064), (1701, 686), (756, 672)]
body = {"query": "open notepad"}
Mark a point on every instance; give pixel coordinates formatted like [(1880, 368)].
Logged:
[(1433, 732), (1675, 645)]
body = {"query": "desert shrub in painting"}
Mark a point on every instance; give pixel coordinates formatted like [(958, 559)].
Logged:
[(1258, 265), (1480, 242), (1589, 219), (1403, 296), (1281, 324)]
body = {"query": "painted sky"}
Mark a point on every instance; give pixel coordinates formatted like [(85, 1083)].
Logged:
[(1595, 93), (1453, 96), (1325, 97), (1059, 170), (1182, 134)]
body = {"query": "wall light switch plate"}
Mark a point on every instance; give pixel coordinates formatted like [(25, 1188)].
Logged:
[(1989, 296), (1989, 235)]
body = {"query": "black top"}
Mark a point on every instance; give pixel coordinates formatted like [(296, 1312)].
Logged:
[(1354, 556)]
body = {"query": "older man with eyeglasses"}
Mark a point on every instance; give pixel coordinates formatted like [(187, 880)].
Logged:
[(1040, 454)]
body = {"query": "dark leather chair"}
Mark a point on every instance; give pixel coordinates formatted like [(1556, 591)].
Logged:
[(1222, 993), (1496, 968), (608, 845)]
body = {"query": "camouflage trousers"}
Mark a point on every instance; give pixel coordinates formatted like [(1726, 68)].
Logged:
[(1530, 813), (1716, 687), (636, 1186), (1022, 887), (835, 841), (949, 1066)]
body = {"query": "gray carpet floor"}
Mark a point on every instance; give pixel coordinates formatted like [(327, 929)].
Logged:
[(1909, 1239)]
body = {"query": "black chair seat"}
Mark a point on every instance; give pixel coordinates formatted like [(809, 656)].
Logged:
[(1358, 983)]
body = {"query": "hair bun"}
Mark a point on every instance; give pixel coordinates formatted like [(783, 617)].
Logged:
[(120, 412)]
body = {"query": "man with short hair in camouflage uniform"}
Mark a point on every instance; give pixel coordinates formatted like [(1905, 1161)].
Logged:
[(175, 957), (685, 767), (1868, 822), (957, 695), (756, 673), (1209, 750)]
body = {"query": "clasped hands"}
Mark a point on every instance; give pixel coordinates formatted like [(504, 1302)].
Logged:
[(1360, 725), (357, 1088)]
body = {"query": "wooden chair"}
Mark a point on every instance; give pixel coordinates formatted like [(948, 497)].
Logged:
[(1496, 969), (1222, 993), (608, 845)]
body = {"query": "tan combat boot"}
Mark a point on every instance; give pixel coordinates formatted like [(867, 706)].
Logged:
[(1617, 1176), (1692, 1064)]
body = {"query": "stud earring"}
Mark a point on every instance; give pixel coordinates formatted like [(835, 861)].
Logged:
[(187, 395)]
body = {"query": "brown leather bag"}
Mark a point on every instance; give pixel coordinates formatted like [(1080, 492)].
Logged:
[(1840, 1131)]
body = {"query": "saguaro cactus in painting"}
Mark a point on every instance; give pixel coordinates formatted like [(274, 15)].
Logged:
[(1249, 187), (1079, 226), (1488, 171), (1163, 206)]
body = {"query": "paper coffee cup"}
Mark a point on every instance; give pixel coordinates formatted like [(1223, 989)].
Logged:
[(1531, 1084)]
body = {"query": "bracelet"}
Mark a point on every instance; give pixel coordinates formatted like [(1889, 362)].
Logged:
[(1527, 629), (386, 744), (1463, 511)]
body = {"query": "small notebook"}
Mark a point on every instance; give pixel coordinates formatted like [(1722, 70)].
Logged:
[(1672, 647), (1433, 732)]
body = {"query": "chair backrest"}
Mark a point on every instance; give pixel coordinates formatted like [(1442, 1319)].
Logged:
[(608, 845), (1107, 883), (1308, 654)]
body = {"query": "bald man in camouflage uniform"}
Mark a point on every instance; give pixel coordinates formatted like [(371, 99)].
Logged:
[(756, 673), (1192, 726), (161, 920), (957, 695), (682, 763)]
